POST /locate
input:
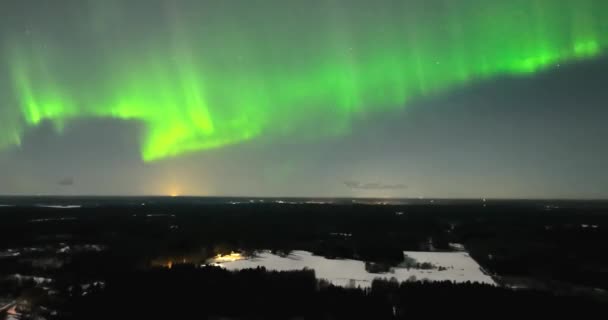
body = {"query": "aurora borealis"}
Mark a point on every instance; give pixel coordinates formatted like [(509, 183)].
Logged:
[(196, 76), (212, 74)]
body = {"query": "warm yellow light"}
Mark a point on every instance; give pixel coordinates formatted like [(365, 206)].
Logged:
[(172, 189), (233, 256)]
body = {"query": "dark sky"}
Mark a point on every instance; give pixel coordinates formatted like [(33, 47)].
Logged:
[(286, 98)]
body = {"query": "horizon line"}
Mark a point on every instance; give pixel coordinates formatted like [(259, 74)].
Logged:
[(302, 197)]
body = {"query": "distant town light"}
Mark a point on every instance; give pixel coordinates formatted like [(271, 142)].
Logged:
[(233, 256)]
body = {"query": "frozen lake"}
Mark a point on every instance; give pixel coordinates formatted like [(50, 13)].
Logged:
[(459, 267)]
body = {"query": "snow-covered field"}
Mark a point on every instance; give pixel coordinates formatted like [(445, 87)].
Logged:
[(460, 267)]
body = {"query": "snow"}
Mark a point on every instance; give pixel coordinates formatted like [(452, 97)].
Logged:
[(53, 219), (69, 206), (585, 226), (456, 246), (341, 234), (37, 280), (460, 267), (65, 249), (90, 247), (153, 215), (12, 314), (9, 253), (98, 284)]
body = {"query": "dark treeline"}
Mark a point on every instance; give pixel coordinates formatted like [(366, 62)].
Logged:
[(202, 293)]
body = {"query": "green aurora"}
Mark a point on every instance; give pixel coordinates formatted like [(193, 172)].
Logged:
[(206, 74)]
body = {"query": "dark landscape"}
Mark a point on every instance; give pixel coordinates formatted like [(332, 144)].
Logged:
[(147, 258)]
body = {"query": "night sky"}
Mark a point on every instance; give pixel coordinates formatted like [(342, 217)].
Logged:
[(354, 98)]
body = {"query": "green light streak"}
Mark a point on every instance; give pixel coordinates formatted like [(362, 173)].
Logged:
[(202, 76)]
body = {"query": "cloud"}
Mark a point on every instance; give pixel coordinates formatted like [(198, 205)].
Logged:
[(373, 185), (66, 182)]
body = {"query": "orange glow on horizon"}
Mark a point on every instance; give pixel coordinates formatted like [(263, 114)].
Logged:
[(174, 191)]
